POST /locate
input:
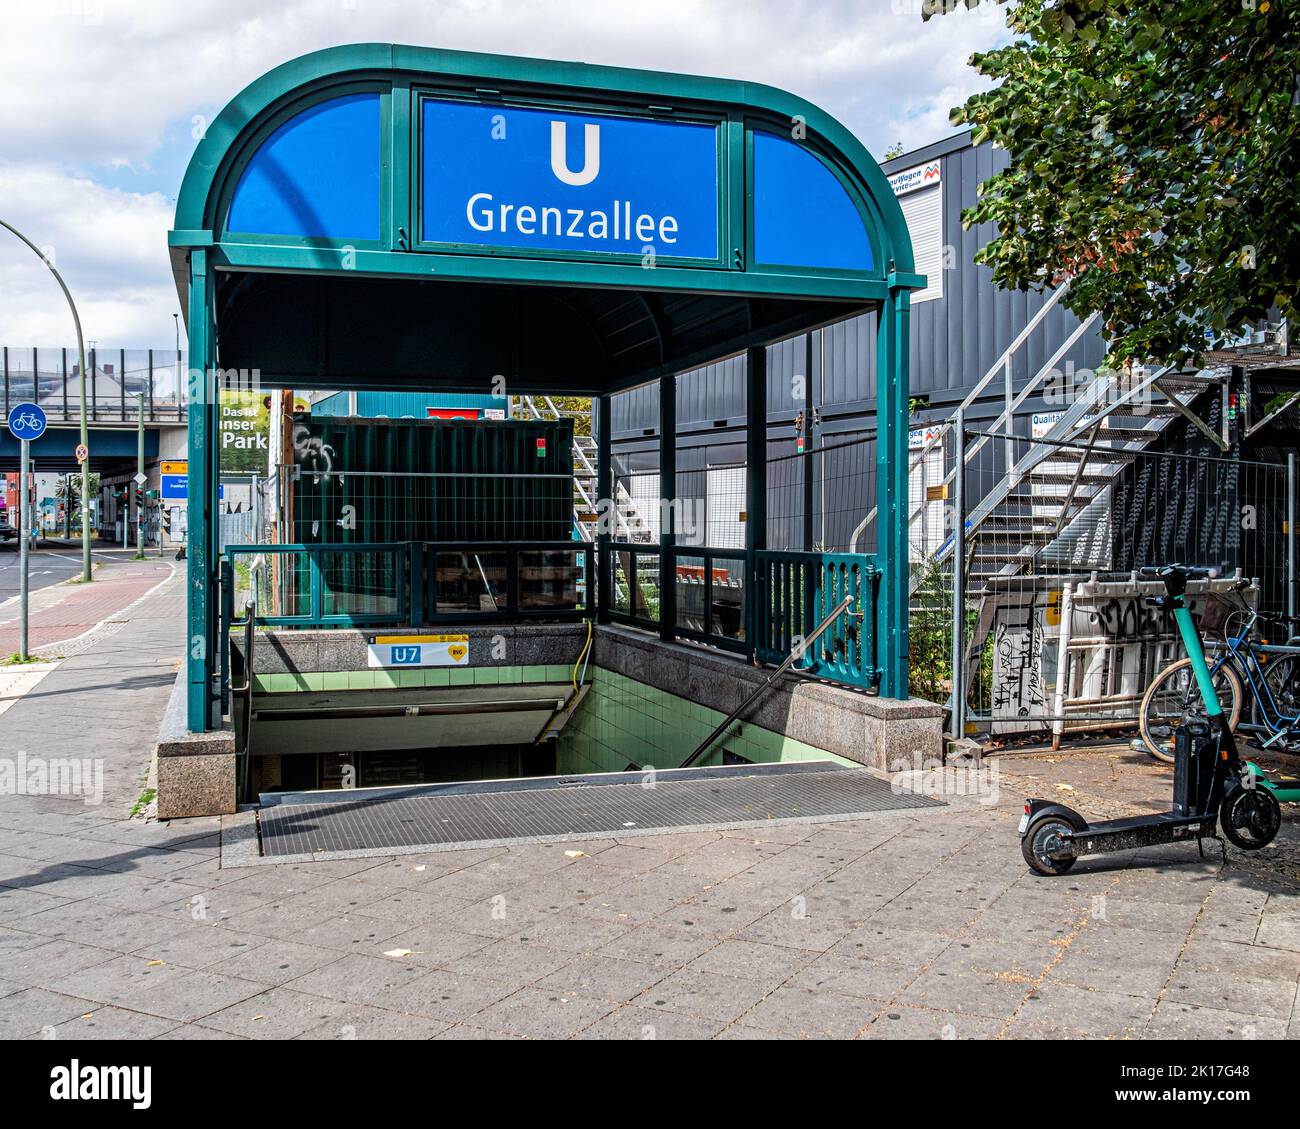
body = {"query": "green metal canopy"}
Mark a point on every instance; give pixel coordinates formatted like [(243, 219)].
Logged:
[(586, 317), (385, 216)]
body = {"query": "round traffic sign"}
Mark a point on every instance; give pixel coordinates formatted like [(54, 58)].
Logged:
[(26, 421), (83, 452)]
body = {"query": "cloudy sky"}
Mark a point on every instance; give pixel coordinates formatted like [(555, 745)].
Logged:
[(100, 102)]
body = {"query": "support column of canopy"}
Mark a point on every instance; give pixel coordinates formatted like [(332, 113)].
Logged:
[(201, 547), (667, 507), (892, 415), (755, 484), (605, 509)]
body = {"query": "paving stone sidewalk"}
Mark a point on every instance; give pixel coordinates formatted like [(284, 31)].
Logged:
[(903, 925), (61, 613)]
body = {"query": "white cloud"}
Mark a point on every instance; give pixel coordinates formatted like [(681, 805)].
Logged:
[(109, 245), (101, 92)]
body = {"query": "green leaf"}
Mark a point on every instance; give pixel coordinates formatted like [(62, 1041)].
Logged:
[(1151, 139)]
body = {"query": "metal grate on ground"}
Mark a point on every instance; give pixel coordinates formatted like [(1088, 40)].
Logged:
[(556, 809)]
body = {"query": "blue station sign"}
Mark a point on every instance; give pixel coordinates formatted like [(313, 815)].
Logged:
[(545, 180), (176, 488)]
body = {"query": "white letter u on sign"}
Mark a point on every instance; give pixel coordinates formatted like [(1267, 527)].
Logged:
[(560, 154)]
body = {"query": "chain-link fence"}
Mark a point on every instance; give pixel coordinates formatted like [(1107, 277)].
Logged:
[(1058, 634), (824, 499), (246, 511), (382, 506), (818, 500)]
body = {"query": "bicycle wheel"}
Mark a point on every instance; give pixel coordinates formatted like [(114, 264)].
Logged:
[(1282, 677), (1174, 699)]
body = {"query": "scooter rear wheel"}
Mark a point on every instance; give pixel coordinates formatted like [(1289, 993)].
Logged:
[(1250, 817), (1038, 840)]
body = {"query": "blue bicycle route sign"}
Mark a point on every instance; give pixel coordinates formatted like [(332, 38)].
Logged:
[(27, 421)]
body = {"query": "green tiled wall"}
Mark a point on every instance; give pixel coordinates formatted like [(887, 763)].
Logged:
[(622, 721)]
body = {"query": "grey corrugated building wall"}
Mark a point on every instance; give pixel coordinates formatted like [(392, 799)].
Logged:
[(955, 338)]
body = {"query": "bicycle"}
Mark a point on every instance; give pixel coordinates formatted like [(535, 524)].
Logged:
[(1173, 699)]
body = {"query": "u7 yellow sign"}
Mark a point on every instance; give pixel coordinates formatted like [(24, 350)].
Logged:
[(389, 651)]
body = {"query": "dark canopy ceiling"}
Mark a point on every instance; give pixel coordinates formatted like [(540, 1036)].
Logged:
[(327, 331)]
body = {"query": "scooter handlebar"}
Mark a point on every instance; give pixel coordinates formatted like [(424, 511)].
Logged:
[(1192, 572)]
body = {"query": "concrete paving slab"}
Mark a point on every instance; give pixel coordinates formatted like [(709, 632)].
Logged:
[(900, 925), (543, 1013)]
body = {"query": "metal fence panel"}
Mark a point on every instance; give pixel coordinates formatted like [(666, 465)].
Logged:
[(1059, 637)]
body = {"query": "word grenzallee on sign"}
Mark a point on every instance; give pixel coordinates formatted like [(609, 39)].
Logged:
[(484, 213), (559, 180)]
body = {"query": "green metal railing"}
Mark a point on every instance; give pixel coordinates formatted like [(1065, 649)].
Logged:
[(712, 605), (762, 611), (796, 590), (763, 616), (412, 583), (462, 582), (322, 585)]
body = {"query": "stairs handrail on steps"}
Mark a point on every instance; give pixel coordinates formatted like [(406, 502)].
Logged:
[(796, 653)]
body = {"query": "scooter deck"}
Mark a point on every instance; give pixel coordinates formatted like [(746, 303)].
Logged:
[(1141, 831)]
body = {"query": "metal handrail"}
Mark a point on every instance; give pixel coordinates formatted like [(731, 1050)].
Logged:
[(794, 656), (1000, 365), (250, 639)]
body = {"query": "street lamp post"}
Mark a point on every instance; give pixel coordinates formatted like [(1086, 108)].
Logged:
[(81, 370), (139, 485)]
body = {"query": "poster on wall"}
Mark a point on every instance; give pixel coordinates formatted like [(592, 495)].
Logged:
[(1025, 633), (244, 431)]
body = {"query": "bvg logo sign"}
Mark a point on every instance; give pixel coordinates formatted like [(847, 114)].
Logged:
[(560, 155)]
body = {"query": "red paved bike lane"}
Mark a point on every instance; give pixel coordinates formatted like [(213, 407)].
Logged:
[(81, 606)]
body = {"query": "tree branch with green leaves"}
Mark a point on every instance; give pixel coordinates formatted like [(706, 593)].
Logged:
[(1154, 163)]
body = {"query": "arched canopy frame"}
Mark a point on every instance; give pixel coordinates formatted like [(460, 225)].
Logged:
[(399, 305)]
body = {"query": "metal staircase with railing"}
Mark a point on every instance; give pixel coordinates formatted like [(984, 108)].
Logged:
[(1049, 507), (1051, 512)]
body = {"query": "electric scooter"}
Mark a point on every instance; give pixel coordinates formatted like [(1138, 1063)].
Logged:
[(1286, 790), (1211, 783)]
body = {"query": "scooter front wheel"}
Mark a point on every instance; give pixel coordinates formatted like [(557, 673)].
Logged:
[(1250, 817), (1042, 836)]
